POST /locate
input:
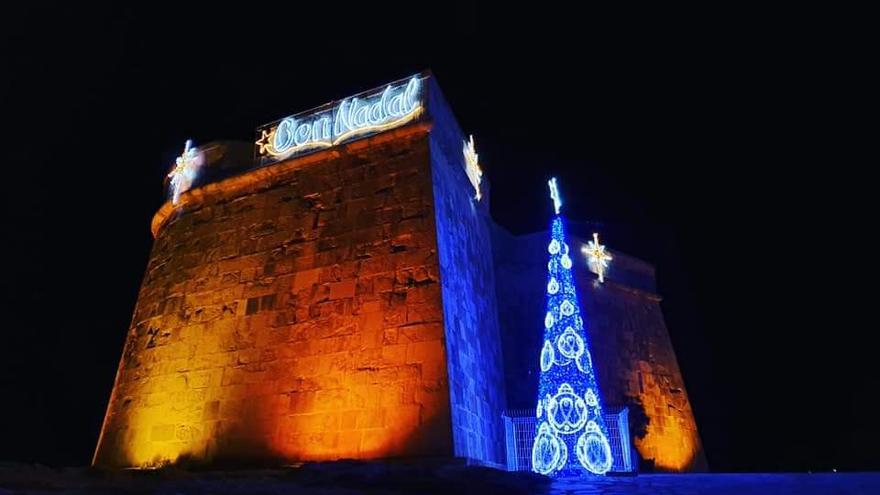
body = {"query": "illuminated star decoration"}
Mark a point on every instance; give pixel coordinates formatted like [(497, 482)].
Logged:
[(472, 166), (554, 193), (185, 168), (265, 141), (597, 256)]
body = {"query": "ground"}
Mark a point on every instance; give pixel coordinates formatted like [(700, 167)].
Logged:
[(727, 484), (349, 478)]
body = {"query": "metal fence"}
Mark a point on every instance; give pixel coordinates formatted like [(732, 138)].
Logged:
[(520, 425)]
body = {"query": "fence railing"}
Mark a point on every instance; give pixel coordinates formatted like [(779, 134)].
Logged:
[(520, 426)]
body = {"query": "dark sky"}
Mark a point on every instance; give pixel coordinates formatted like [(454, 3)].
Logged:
[(698, 137)]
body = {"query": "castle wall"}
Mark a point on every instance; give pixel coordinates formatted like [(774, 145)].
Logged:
[(632, 352), (293, 313), (358, 302), (637, 367), (520, 284), (467, 279)]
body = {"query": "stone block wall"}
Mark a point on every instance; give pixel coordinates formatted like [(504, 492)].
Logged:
[(473, 345), (291, 313), (358, 302), (520, 282), (639, 369)]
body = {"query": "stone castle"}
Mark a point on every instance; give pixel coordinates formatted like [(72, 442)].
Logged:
[(356, 300)]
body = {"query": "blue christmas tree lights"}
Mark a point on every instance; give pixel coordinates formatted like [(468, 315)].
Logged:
[(571, 436)]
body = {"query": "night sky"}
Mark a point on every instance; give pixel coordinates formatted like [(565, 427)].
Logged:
[(692, 135)]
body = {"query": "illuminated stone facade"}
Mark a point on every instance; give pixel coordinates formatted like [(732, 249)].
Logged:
[(355, 303), (307, 311)]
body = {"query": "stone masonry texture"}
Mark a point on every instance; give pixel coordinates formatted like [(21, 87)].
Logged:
[(337, 305), (359, 302), (293, 318), (473, 344)]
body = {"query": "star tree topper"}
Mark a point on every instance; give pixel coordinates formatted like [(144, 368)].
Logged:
[(554, 193), (597, 256)]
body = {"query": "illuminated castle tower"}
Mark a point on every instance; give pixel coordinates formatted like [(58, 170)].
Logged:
[(334, 298)]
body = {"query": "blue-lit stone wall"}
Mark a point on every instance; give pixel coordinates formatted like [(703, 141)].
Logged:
[(473, 346)]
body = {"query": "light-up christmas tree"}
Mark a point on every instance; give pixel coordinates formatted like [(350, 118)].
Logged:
[(571, 437)]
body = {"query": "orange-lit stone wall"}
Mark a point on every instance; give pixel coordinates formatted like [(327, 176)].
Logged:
[(632, 348), (292, 313)]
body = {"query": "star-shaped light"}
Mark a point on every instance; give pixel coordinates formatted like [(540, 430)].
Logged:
[(597, 256), (265, 141), (472, 166), (185, 168)]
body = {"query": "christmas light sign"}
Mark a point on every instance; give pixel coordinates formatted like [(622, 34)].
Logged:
[(357, 116)]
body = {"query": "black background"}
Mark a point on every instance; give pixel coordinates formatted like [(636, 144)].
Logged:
[(715, 144)]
